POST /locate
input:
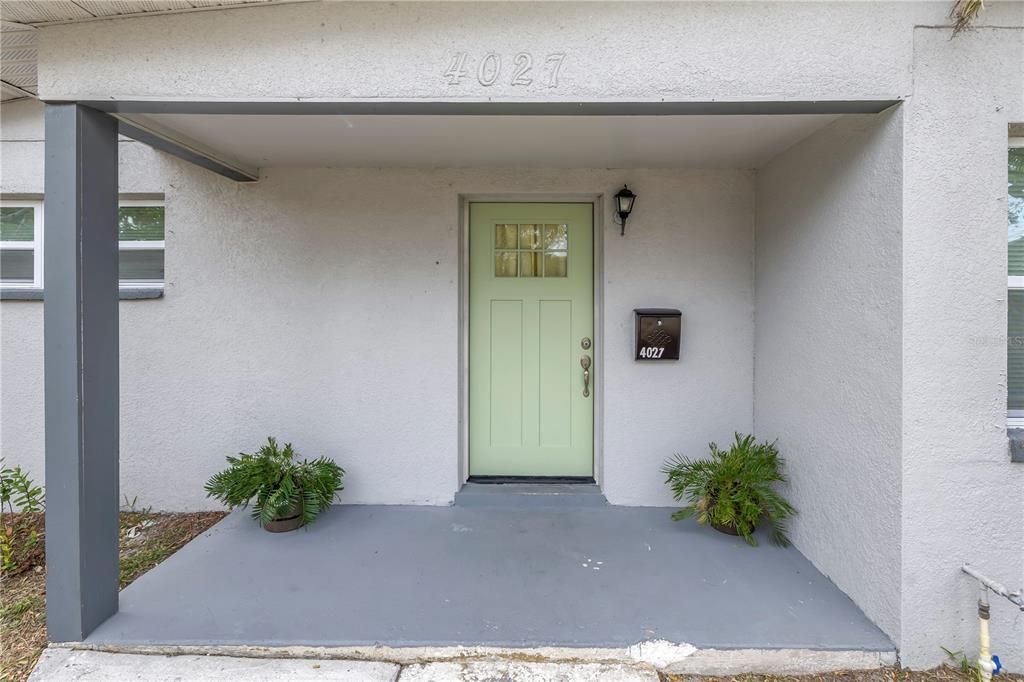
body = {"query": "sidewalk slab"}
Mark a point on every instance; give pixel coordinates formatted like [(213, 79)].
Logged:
[(68, 665)]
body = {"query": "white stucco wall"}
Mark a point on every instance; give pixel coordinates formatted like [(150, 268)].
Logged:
[(339, 50), (827, 369), (960, 497), (963, 500), (321, 305)]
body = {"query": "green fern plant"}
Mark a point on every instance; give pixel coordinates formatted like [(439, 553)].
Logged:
[(733, 489), (18, 492), (22, 503), (277, 483)]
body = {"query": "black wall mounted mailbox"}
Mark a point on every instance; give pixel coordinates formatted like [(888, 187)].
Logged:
[(657, 333)]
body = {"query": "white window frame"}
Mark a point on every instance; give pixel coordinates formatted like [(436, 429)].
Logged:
[(36, 244), (150, 245), (1015, 418)]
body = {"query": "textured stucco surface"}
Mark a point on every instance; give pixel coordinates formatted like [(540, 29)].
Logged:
[(959, 496), (963, 500), (827, 350), (321, 305), (367, 50)]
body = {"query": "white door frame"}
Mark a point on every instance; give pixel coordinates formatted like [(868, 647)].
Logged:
[(598, 202)]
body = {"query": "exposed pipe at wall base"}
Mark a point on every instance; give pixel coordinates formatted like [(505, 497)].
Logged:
[(986, 664), (1015, 598)]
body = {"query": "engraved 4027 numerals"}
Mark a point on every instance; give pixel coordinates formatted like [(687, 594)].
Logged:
[(489, 69)]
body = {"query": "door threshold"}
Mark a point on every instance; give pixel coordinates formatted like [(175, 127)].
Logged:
[(530, 494), (556, 480)]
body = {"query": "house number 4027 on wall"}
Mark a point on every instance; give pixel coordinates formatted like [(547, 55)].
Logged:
[(521, 71)]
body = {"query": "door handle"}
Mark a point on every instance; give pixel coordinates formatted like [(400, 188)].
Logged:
[(585, 364)]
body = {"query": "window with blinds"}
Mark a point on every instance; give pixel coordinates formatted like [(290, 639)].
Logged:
[(1015, 317), (21, 241), (140, 228), (140, 233)]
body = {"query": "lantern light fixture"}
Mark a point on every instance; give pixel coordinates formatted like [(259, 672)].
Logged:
[(624, 201)]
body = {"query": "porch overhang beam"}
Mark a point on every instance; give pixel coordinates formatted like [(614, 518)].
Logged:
[(166, 141), (490, 108), (80, 342)]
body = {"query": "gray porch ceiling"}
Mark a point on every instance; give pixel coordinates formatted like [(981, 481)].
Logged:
[(19, 20), (258, 141)]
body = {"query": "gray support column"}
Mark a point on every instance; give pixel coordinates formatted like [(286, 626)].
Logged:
[(81, 351)]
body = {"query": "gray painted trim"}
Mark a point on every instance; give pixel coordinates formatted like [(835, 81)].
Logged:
[(491, 108), (174, 148), (21, 92), (21, 294), (81, 370), (1016, 437), (37, 294), (140, 294)]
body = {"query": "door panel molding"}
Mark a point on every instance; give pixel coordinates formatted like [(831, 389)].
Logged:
[(525, 323), (600, 207)]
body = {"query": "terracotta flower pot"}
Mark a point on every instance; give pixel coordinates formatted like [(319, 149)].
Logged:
[(290, 520)]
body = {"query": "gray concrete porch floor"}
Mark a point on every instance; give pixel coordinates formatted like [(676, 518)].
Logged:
[(490, 576)]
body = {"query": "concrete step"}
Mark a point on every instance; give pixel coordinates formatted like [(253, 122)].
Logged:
[(70, 665), (517, 671), (530, 495)]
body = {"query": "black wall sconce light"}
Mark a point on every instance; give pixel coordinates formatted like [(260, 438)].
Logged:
[(624, 205)]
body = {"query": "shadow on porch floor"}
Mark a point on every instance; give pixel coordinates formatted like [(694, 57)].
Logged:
[(491, 576)]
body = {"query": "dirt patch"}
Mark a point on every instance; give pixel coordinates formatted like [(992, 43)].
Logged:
[(146, 540)]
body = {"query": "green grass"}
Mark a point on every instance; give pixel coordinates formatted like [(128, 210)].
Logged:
[(140, 561), (12, 613)]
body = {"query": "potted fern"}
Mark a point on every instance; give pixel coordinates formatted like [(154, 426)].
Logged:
[(287, 493), (732, 491)]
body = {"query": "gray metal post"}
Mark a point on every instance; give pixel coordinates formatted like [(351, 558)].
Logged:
[(81, 356)]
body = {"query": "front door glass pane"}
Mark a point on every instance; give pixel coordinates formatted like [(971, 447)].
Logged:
[(555, 264), (531, 250), (529, 237), (529, 264), (556, 237), (506, 236), (506, 264)]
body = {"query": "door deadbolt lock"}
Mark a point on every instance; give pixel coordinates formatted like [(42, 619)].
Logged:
[(585, 343)]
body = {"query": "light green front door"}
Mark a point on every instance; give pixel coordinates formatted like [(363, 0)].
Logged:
[(531, 323)]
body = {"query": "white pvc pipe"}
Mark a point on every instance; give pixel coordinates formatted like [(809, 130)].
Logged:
[(986, 666)]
